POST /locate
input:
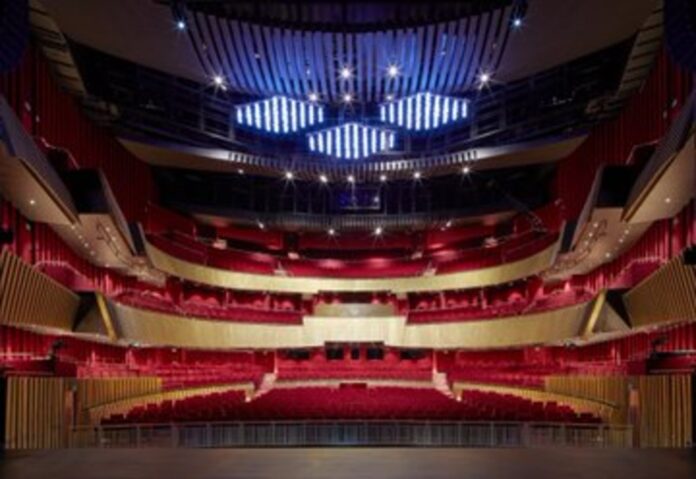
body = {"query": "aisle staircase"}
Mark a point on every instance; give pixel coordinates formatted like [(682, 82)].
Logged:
[(441, 384), (266, 385)]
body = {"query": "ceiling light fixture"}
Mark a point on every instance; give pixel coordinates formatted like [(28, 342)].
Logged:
[(379, 231), (32, 202), (181, 25), (313, 96), (331, 232), (466, 170), (351, 179), (484, 79), (347, 98), (517, 22), (261, 225), (324, 179), (392, 71), (383, 178), (416, 175), (346, 73), (289, 175)]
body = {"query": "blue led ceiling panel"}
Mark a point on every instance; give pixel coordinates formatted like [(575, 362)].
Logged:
[(351, 141), (424, 111), (280, 115)]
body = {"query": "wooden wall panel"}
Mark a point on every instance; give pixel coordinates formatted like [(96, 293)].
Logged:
[(607, 411), (666, 411), (35, 413), (611, 390), (669, 294), (155, 328), (122, 406), (29, 297), (93, 393)]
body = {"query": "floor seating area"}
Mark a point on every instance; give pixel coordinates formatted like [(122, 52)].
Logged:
[(349, 403)]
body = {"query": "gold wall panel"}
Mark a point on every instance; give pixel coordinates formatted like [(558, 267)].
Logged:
[(36, 415), (122, 406), (155, 328), (607, 411), (666, 411), (669, 294), (310, 285), (31, 298), (609, 390)]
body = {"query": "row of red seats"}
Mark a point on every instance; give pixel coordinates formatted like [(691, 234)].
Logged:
[(514, 307), (351, 403), (219, 312), (509, 249)]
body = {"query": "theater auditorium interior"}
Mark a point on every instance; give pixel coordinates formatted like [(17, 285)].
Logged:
[(347, 239)]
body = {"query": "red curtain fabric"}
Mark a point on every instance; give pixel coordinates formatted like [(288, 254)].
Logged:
[(645, 119)]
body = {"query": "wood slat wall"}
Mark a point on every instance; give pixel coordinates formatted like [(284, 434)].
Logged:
[(669, 294), (96, 392), (35, 413), (607, 389), (608, 412), (666, 411), (29, 297), (97, 413), (41, 411)]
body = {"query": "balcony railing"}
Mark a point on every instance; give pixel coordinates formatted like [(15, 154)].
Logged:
[(352, 433)]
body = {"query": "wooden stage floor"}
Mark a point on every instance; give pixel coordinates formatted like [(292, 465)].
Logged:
[(353, 463)]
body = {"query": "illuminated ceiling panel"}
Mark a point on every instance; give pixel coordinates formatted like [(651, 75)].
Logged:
[(352, 141), (279, 115), (424, 111)]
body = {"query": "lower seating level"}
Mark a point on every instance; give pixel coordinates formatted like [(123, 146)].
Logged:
[(352, 402)]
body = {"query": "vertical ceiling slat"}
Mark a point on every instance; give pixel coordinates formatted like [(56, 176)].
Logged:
[(241, 52), (463, 41), (270, 59)]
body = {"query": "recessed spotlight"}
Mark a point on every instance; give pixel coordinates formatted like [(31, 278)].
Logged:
[(289, 175), (240, 171), (379, 231), (261, 225), (347, 98), (346, 73), (608, 255), (389, 97), (375, 200), (323, 178), (91, 253), (313, 96), (416, 175), (621, 240), (668, 200), (484, 79), (351, 179), (595, 224), (591, 234), (383, 178), (392, 71), (218, 80), (517, 22), (32, 202), (331, 232), (181, 25), (466, 169), (448, 224)]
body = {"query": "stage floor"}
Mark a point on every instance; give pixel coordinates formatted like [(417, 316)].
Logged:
[(355, 463)]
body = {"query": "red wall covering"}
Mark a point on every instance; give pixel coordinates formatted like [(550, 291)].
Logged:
[(645, 119), (50, 113)]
